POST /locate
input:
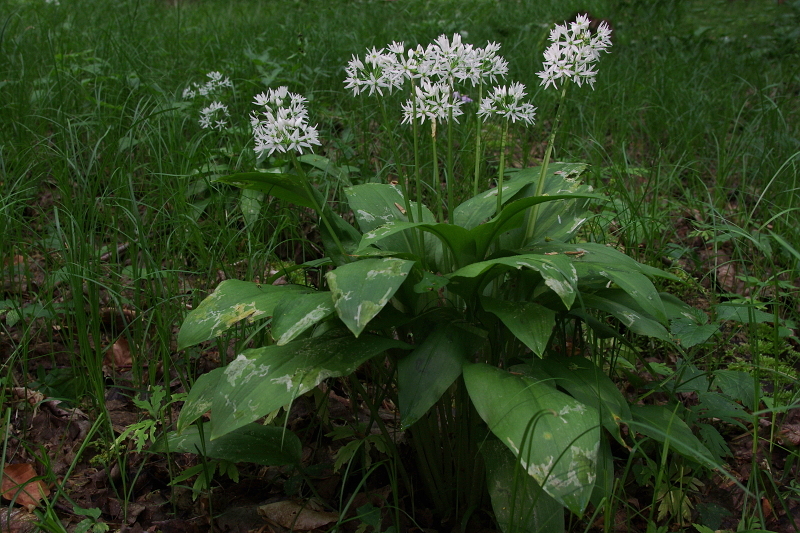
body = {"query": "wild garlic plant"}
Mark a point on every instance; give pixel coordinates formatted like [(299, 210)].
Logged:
[(466, 310), (215, 115)]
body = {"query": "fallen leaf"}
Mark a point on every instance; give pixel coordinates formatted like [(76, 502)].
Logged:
[(118, 355), (17, 485), (296, 516)]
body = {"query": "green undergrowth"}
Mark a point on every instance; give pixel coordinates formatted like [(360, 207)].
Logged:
[(114, 224)]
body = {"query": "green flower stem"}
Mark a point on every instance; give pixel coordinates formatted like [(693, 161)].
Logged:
[(400, 172), (317, 207), (478, 131), (449, 176), (533, 213), (503, 141), (436, 184), (415, 127)]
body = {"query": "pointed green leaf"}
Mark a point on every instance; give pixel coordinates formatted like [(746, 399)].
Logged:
[(231, 302), (530, 322), (557, 270), (296, 315), (456, 239), (665, 426), (285, 186), (588, 384), (559, 179), (640, 288), (634, 319), (513, 218), (361, 289), (519, 503), (376, 204), (200, 397), (555, 436), (260, 380), (253, 443), (428, 371)]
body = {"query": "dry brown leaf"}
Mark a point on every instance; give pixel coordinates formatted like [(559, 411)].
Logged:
[(17, 485), (118, 355), (296, 516)]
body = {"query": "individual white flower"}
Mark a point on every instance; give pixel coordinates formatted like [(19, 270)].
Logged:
[(282, 125), (506, 102), (434, 101), (214, 116), (574, 51)]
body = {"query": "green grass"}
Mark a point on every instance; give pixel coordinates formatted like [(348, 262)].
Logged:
[(106, 192)]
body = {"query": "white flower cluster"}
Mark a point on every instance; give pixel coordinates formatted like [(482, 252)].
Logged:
[(506, 102), (283, 123), (214, 116), (433, 101), (436, 69), (215, 82), (574, 52)]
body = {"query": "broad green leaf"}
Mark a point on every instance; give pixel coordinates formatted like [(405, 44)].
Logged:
[(557, 270), (294, 316), (478, 209), (285, 186), (231, 302), (456, 239), (200, 397), (665, 426), (327, 167), (376, 204), (530, 322), (590, 385), (640, 288), (260, 380), (428, 371), (742, 313), (689, 333), (430, 282), (253, 443), (634, 319), (519, 503), (737, 385), (513, 217), (555, 437), (250, 203), (361, 289), (590, 257)]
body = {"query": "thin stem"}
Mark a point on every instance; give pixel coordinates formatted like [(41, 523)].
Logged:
[(400, 172), (436, 183), (415, 127), (318, 208), (449, 176), (533, 213), (502, 170), (478, 132)]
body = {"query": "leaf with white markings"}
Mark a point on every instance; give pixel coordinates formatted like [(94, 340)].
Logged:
[(555, 437), (260, 380), (361, 289)]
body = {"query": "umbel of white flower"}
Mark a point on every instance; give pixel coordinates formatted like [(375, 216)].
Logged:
[(446, 61), (214, 116), (506, 102), (282, 124), (215, 82), (433, 101), (573, 52)]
